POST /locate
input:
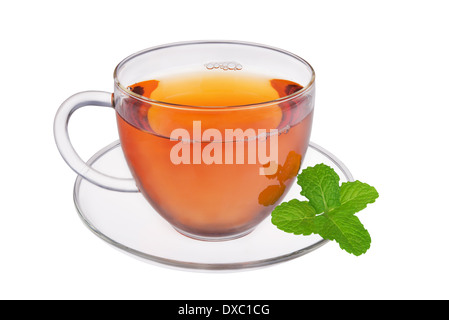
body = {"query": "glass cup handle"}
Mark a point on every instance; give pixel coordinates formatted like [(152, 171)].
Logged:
[(78, 100)]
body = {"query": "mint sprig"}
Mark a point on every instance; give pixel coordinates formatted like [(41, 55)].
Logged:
[(330, 211)]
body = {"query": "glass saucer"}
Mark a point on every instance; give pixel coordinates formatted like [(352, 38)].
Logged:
[(128, 222)]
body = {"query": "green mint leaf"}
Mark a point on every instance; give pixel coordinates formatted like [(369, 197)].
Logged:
[(295, 217), (346, 229), (355, 196), (330, 209), (320, 184)]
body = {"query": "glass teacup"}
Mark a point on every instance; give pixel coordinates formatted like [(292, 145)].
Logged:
[(214, 132)]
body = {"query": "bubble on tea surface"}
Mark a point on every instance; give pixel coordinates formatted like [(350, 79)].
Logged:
[(225, 65)]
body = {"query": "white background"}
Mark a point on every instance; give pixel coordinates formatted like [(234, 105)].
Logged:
[(382, 107)]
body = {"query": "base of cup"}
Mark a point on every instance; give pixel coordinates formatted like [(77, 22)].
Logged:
[(214, 238)]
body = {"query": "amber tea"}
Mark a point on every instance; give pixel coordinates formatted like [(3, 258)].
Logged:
[(209, 160)]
